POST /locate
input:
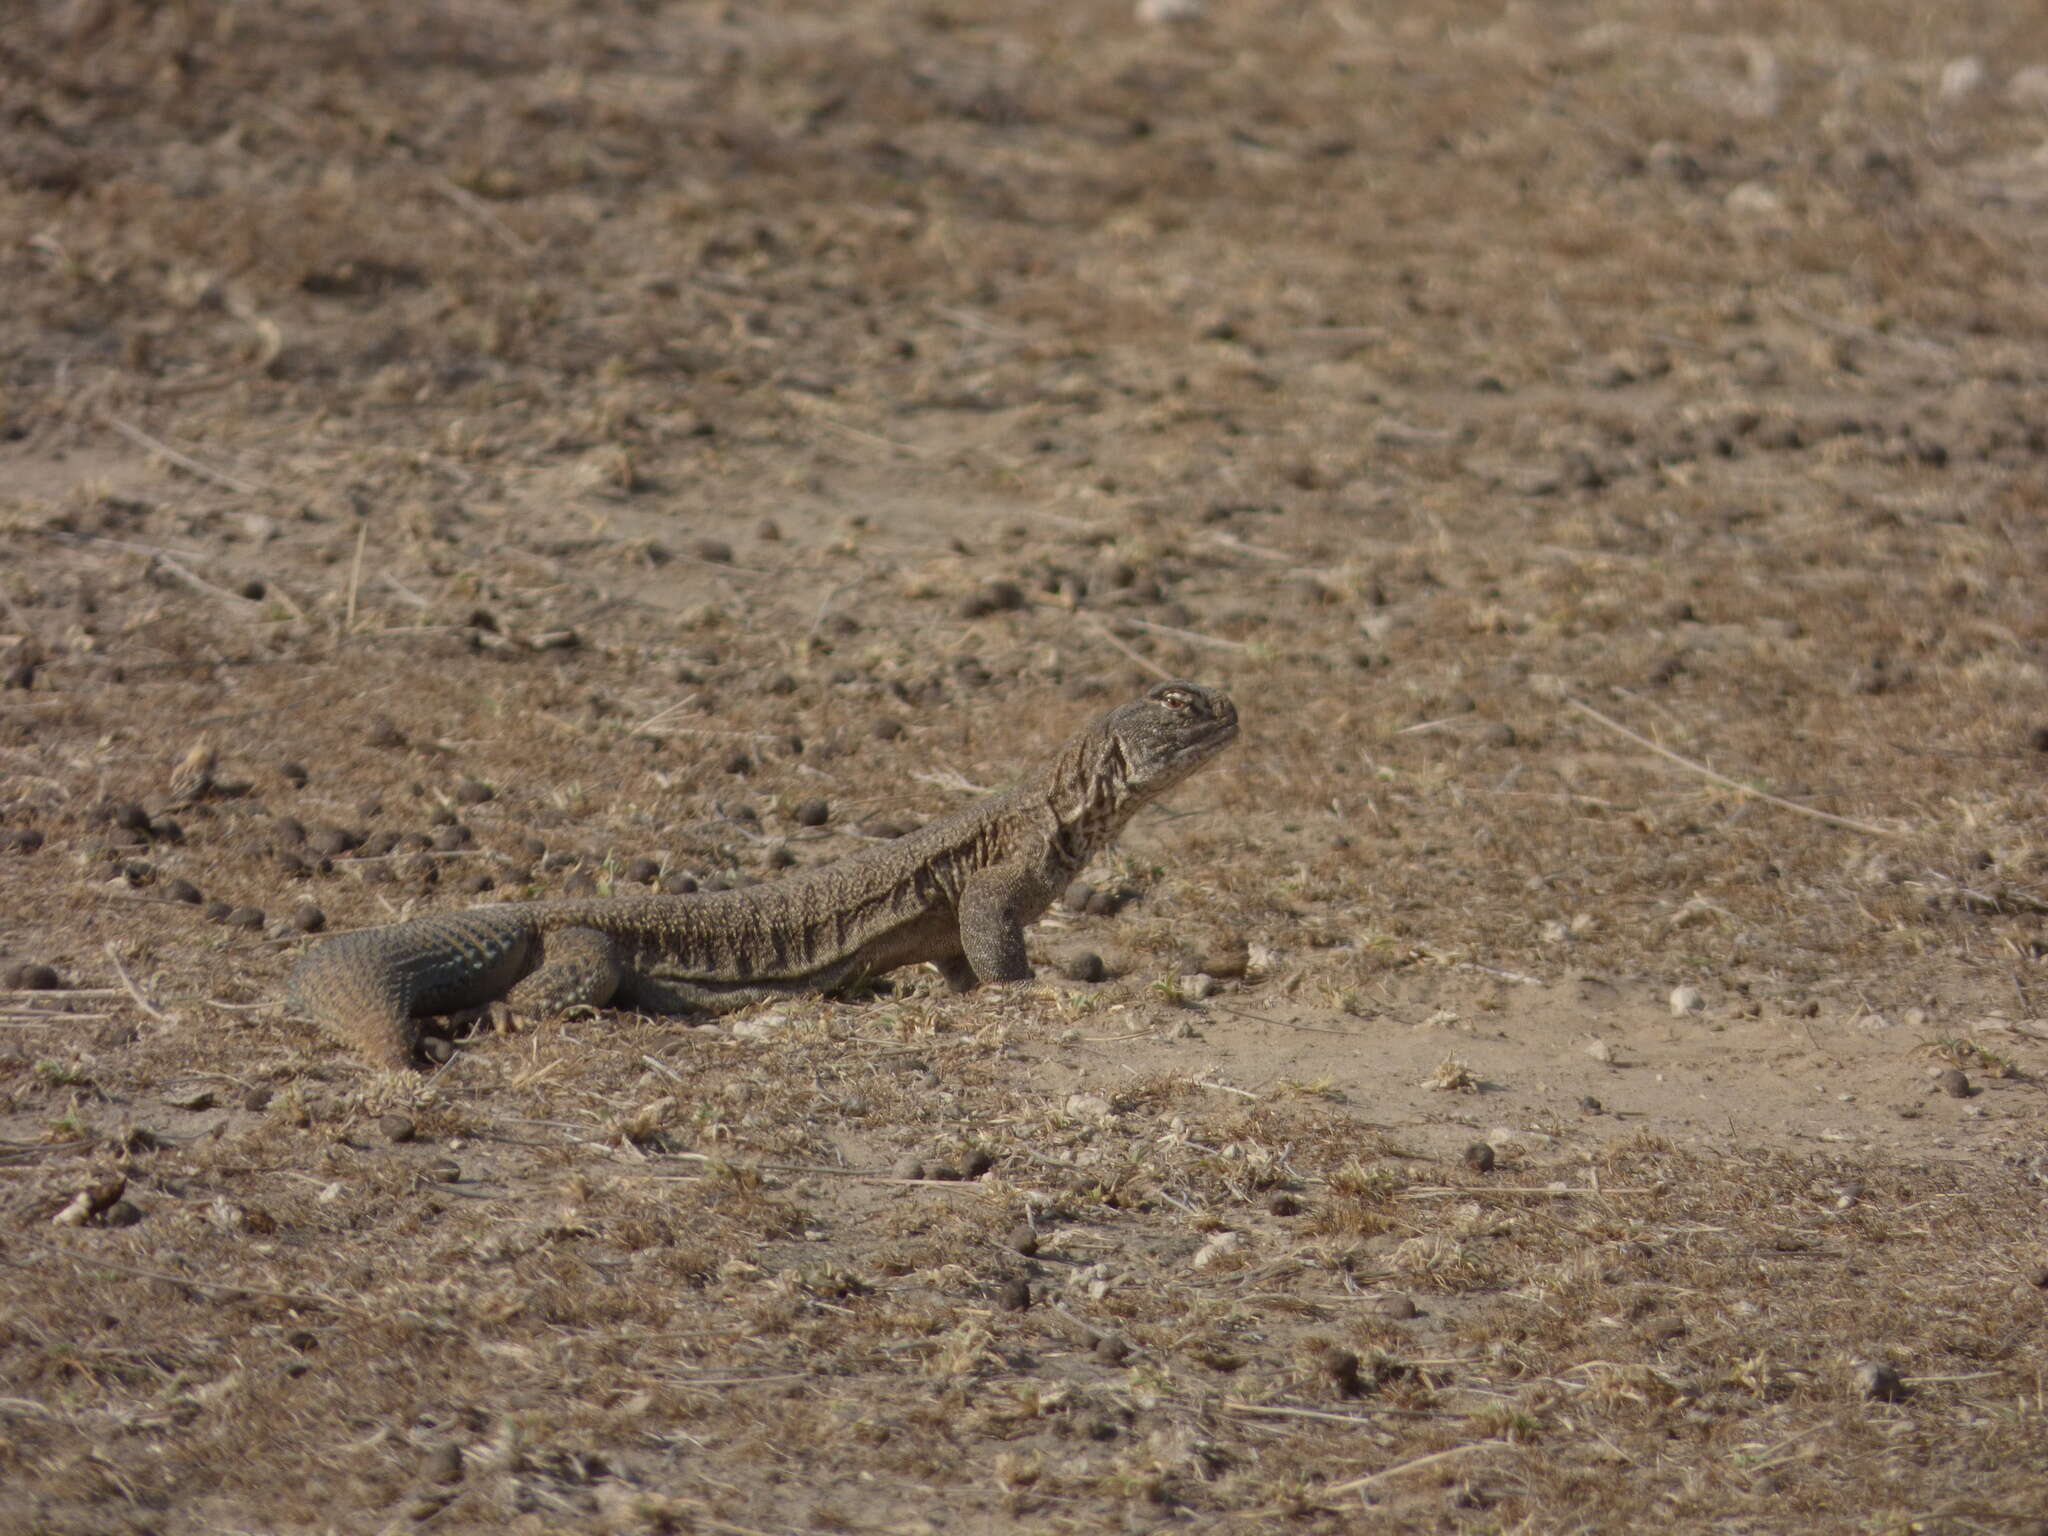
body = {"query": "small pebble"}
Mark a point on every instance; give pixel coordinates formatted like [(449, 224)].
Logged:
[(886, 728), (122, 1213), (712, 551), (641, 871), (1077, 896), (443, 1170), (293, 774), (1591, 1105), (1111, 1350), (2039, 739), (814, 812), (1024, 1238), (678, 885), (779, 857), (977, 1162), (737, 762), (382, 733), (307, 918), (128, 815), (476, 882), (1479, 1157), (219, 911), (438, 1050), (1341, 1367), (907, 1167), (1015, 1295), (1685, 1000), (1879, 1382), (1103, 904), (1282, 1203), (245, 917), (1085, 966), (34, 977), (397, 1129), (182, 890), (258, 1098), (473, 792), (20, 840), (332, 840), (1399, 1308), (442, 1464), (451, 839), (1955, 1082)]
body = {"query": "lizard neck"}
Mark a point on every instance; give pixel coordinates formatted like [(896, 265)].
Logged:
[(1088, 791)]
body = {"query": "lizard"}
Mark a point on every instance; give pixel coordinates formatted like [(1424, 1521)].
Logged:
[(956, 894)]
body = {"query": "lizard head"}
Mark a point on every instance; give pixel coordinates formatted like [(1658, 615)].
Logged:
[(1132, 755), (1169, 733)]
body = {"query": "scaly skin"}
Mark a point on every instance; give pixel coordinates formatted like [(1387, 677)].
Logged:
[(957, 894)]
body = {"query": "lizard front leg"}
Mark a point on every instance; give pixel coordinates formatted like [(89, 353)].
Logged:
[(994, 907), (579, 967)]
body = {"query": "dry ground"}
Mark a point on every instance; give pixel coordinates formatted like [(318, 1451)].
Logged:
[(452, 451)]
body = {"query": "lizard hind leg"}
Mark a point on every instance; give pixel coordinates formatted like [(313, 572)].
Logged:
[(579, 968)]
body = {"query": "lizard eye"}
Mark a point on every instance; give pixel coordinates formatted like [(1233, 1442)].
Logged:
[(1175, 698)]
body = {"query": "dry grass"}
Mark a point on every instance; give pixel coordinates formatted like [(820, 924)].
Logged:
[(626, 405)]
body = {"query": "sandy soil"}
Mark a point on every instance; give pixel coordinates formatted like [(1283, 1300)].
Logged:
[(458, 453)]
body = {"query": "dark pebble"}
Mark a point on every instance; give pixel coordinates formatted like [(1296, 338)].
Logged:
[(442, 1464), (450, 839), (1024, 1238), (382, 733), (993, 597), (307, 918), (641, 871), (1085, 966), (257, 1099), (1479, 1157), (294, 774), (907, 1167), (397, 1128), (1226, 960), (219, 911), (1111, 1350), (1283, 1203), (443, 1170), (1955, 1083), (34, 977), (20, 839), (129, 815), (473, 792), (714, 551), (1341, 1367), (476, 882), (1076, 896), (888, 728), (116, 1034), (122, 1213), (1880, 1383), (1102, 904), (182, 890), (677, 885), (293, 864), (244, 917), (377, 845), (736, 762), (779, 857), (2039, 739), (1591, 1105), (288, 830), (332, 840), (166, 830), (814, 812), (978, 1162), (1015, 1295), (1399, 1308)]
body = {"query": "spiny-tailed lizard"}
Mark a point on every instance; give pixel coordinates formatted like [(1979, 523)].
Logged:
[(956, 894)]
